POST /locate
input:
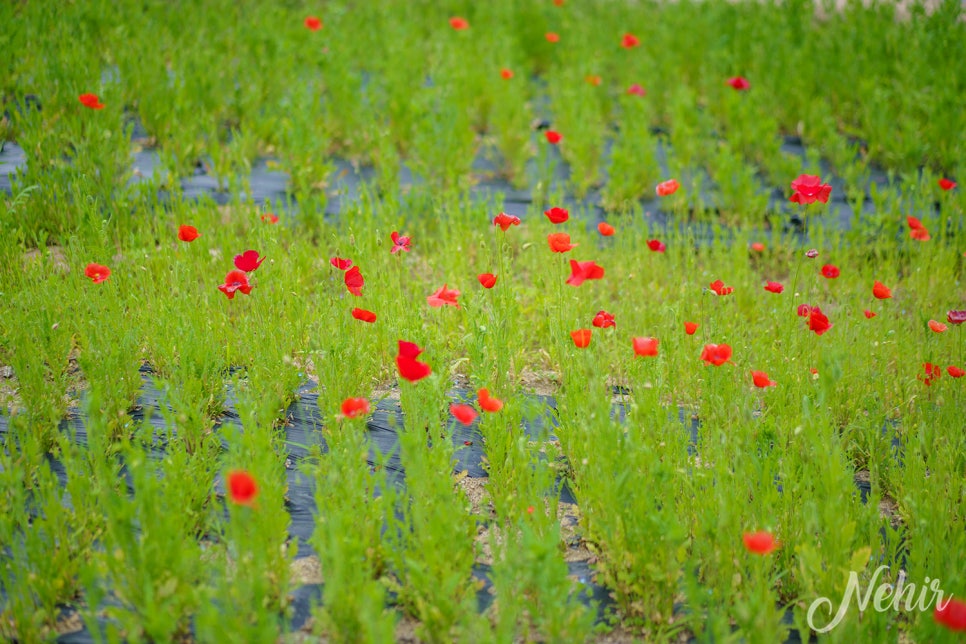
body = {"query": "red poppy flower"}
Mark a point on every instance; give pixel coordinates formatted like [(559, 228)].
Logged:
[(946, 184), (739, 83), (818, 321), (97, 273), (774, 287), (354, 281), (716, 354), (629, 41), (720, 289), (581, 338), (951, 614), (656, 245), (487, 402), (690, 327), (560, 242), (506, 74), (399, 243), (242, 488), (636, 90), (487, 280), (553, 137), (605, 229), (809, 188), (552, 37), (91, 101), (593, 79), (830, 271), (761, 379), (956, 317), (880, 291), (458, 23), (930, 372), (811, 253), (955, 371), (444, 296), (235, 280), (938, 327), (919, 234), (580, 271), (758, 247), (270, 218), (312, 23), (760, 543), (341, 264), (249, 261), (188, 233), (558, 3), (406, 361), (868, 314), (463, 413), (557, 215), (364, 315), (352, 407), (603, 319), (803, 310), (645, 347), (504, 221), (913, 222), (668, 187)]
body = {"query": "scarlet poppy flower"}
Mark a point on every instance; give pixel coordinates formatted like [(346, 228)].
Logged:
[(956, 317), (444, 296), (913, 222), (605, 229), (399, 243), (761, 379), (593, 79), (487, 402), (552, 37), (312, 23), (603, 319), (808, 189), (581, 338), (353, 407), (504, 221), (341, 264), (560, 242), (364, 315), (235, 280), (803, 310), (758, 247), (668, 187), (629, 41), (580, 271), (270, 218), (760, 543), (97, 273), (242, 488), (739, 83), (811, 253), (553, 137), (645, 347), (946, 184), (951, 614), (354, 281), (656, 245), (249, 261), (818, 321), (406, 361), (930, 372), (557, 215), (463, 413), (868, 314), (719, 288), (830, 271), (636, 90), (690, 327), (188, 233), (880, 291), (458, 23), (487, 280), (938, 327), (919, 234), (955, 371), (506, 74), (774, 287), (91, 101), (716, 354)]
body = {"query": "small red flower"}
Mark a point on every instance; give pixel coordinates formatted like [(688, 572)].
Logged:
[(956, 317), (951, 614), (605, 229), (719, 288), (557, 215), (354, 281), (818, 321), (406, 361), (487, 280), (914, 223), (938, 327), (458, 23), (880, 291), (808, 189), (739, 83), (690, 327), (803, 310), (930, 372), (506, 74), (593, 79), (235, 280), (444, 296), (581, 338), (919, 234), (946, 184), (552, 37), (188, 233), (758, 247), (553, 137), (668, 187), (830, 271), (955, 371), (580, 271), (364, 315), (242, 488), (487, 402), (761, 379), (636, 90), (91, 101), (603, 319), (716, 354), (504, 221), (97, 273), (558, 3), (312, 23), (341, 264), (353, 407), (774, 287), (656, 245), (249, 261), (399, 243), (868, 314), (560, 242), (760, 543), (811, 253), (629, 41), (270, 218), (645, 347), (463, 413)]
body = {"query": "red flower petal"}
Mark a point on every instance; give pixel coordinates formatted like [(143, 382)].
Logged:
[(409, 367), (352, 407), (487, 402), (560, 242), (629, 41), (91, 101), (341, 264), (248, 261), (603, 320), (97, 273), (504, 221), (946, 184), (312, 23), (774, 287), (242, 488), (580, 271), (690, 327), (354, 281), (458, 23), (487, 280), (605, 229), (668, 187), (938, 327), (645, 347), (188, 233), (553, 137), (364, 315), (463, 413), (716, 354), (739, 83), (880, 291), (444, 296), (760, 543), (761, 379), (830, 271), (557, 215), (581, 337)]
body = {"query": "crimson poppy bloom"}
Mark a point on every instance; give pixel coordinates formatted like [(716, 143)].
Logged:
[(803, 310), (553, 137), (930, 372), (605, 229), (560, 242), (880, 291), (690, 327), (758, 247), (716, 354), (353, 407), (188, 233), (406, 361), (636, 90), (506, 74), (952, 614), (487, 280), (557, 215), (761, 379), (580, 271), (341, 264), (719, 288), (487, 402), (399, 243), (593, 79), (739, 83), (458, 23), (364, 315), (914, 222), (919, 234), (354, 281), (774, 287), (312, 23), (235, 280), (656, 245), (955, 371), (946, 184), (444, 296), (581, 337), (552, 37), (270, 218), (956, 317), (808, 188), (811, 253), (504, 221), (668, 187), (97, 273), (760, 543), (868, 314), (91, 101), (830, 271), (249, 261), (603, 319), (463, 413), (629, 41), (242, 488), (818, 321), (938, 327), (645, 347)]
